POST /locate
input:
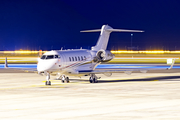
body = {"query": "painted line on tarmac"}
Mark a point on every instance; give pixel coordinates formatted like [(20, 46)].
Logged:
[(34, 86)]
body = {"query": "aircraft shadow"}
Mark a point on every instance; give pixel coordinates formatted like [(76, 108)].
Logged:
[(164, 78)]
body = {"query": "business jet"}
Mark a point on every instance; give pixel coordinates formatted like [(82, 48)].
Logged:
[(82, 62)]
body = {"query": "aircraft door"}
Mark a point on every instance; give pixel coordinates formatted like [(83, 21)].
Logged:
[(62, 60)]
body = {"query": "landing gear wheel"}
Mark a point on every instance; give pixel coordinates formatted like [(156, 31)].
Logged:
[(48, 83), (95, 80), (90, 80), (67, 79), (62, 81)]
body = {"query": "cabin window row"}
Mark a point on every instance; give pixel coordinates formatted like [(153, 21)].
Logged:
[(79, 58)]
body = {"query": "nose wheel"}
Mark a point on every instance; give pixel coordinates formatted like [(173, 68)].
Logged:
[(62, 77), (48, 83)]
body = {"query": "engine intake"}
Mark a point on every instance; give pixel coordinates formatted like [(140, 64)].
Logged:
[(103, 56)]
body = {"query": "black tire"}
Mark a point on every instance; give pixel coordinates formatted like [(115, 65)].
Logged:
[(94, 80), (46, 83), (62, 81), (90, 80), (67, 79), (49, 83)]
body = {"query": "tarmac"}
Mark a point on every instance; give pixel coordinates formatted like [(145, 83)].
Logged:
[(139, 96)]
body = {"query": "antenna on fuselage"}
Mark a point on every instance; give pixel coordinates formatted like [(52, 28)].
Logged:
[(61, 48)]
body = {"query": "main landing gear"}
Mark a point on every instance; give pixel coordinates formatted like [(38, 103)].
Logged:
[(63, 78), (93, 78)]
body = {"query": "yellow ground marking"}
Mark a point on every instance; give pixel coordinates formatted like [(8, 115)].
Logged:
[(34, 86)]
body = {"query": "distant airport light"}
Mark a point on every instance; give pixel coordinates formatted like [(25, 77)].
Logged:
[(22, 52), (146, 52), (112, 51)]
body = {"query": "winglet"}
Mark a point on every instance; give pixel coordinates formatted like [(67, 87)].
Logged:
[(172, 64), (6, 63)]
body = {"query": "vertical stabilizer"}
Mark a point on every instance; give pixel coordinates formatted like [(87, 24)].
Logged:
[(103, 39), (104, 36), (6, 64)]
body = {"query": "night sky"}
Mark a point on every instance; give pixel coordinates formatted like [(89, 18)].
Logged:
[(52, 24)]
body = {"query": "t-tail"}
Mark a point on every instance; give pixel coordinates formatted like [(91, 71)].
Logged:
[(104, 36)]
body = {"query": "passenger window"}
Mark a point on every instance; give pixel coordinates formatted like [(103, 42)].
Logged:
[(69, 58), (79, 58), (76, 58), (72, 58), (85, 57), (50, 57)]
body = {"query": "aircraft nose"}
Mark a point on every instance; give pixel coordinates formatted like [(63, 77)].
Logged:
[(40, 67), (45, 66)]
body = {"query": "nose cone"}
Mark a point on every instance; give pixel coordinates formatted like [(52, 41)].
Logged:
[(46, 65)]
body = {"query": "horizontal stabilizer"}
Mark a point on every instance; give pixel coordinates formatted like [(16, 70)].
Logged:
[(104, 36), (97, 30), (123, 30), (112, 30)]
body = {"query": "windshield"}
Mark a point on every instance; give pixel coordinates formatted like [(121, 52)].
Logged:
[(50, 57), (43, 57)]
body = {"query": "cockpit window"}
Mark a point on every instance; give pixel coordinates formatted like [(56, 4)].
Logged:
[(50, 57), (43, 57), (56, 56)]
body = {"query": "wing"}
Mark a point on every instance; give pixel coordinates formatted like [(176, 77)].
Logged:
[(127, 71), (32, 70), (17, 68)]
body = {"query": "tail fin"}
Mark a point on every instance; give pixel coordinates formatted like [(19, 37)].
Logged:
[(104, 36)]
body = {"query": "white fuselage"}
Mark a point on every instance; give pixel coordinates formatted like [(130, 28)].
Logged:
[(67, 62)]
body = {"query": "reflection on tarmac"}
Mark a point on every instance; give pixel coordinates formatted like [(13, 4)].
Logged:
[(104, 66)]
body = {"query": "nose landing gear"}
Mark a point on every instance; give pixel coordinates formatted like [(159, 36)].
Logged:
[(47, 79)]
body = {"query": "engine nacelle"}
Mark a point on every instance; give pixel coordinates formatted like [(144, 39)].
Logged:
[(103, 56)]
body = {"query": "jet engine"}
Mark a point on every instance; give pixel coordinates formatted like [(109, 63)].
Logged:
[(103, 56)]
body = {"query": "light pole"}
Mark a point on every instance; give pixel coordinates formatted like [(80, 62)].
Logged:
[(131, 40)]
